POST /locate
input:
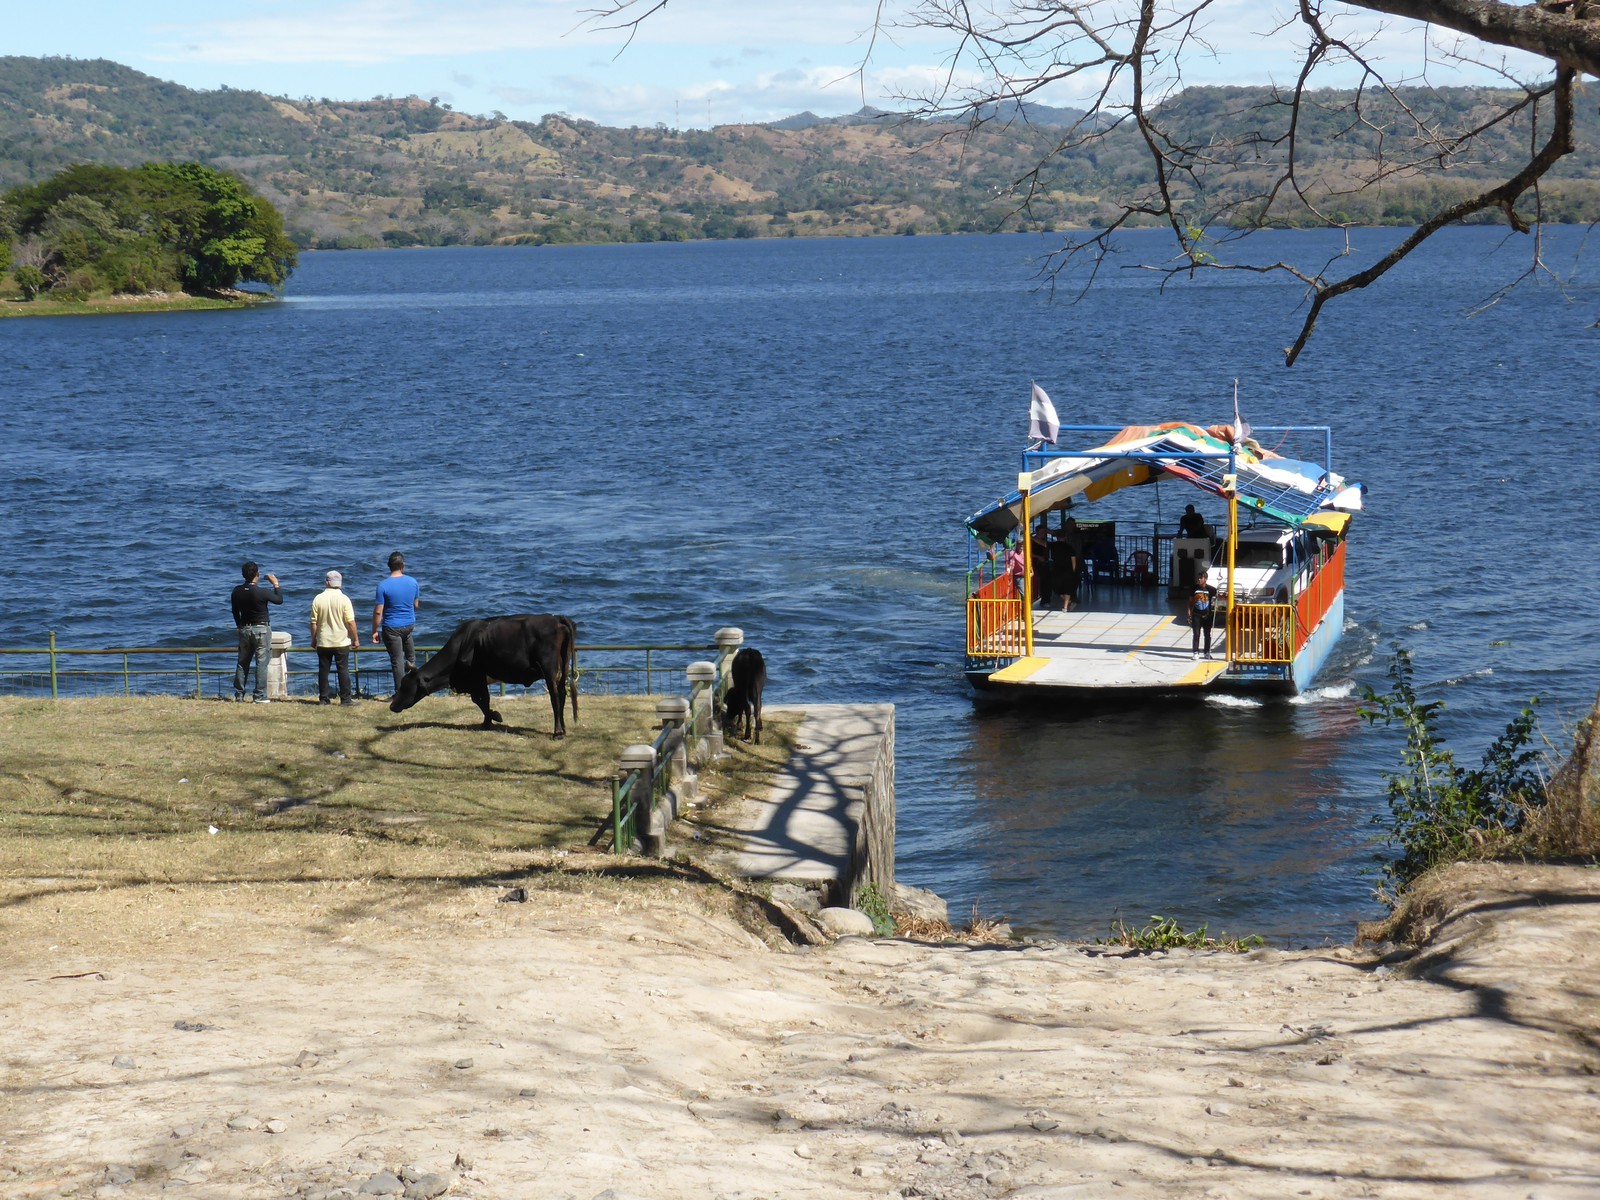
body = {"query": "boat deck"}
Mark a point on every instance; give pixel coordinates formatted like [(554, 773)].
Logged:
[(1136, 645)]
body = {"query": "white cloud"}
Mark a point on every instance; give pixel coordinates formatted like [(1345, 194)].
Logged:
[(694, 102), (377, 31), (752, 59)]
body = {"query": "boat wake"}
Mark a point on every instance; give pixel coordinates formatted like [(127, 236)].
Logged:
[(1225, 700), (1321, 695)]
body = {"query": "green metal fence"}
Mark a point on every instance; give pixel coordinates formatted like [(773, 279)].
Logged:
[(207, 671), (631, 796)]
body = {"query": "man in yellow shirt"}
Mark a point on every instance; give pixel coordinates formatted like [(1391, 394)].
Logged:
[(333, 632)]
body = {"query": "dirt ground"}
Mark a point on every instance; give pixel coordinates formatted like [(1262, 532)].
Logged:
[(357, 1039)]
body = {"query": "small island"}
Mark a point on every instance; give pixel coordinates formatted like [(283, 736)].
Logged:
[(154, 238)]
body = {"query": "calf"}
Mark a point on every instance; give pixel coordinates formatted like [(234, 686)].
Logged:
[(522, 649), (742, 702)]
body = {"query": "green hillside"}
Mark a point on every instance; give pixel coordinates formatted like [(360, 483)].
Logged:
[(408, 171)]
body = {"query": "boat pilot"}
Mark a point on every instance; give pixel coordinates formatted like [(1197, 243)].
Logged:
[(1191, 524)]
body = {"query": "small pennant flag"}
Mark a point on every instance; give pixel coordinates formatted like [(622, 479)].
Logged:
[(1043, 424), (1241, 427)]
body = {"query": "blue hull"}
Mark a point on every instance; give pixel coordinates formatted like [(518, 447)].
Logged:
[(1296, 677)]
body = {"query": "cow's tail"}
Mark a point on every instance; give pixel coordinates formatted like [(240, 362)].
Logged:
[(569, 666)]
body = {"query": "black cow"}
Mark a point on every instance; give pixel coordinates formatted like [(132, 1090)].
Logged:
[(742, 702), (523, 649)]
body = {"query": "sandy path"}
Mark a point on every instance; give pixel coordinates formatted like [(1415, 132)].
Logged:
[(580, 1043)]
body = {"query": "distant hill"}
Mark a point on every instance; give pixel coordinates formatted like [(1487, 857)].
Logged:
[(406, 171)]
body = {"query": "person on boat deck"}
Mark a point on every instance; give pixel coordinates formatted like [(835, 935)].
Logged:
[(1066, 569), (1191, 524), (1041, 566), (1012, 558), (1202, 609)]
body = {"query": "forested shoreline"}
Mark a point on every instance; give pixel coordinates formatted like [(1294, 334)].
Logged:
[(407, 171), (93, 231)]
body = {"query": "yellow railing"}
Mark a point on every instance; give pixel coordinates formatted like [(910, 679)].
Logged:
[(1261, 633), (994, 627)]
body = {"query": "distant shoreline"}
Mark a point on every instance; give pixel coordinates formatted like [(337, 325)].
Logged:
[(148, 302)]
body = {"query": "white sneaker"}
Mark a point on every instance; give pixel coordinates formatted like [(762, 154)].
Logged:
[(263, 700)]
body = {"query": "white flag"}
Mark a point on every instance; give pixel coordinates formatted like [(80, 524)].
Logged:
[(1043, 423), (1241, 427)]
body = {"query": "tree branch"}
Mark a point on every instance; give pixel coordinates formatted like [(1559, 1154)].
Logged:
[(1566, 39), (1504, 197)]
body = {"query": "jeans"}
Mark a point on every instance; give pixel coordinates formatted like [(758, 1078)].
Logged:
[(255, 642), (402, 657), (339, 658), (1201, 621)]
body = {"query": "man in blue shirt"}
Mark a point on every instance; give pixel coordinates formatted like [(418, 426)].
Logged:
[(394, 617), (249, 601)]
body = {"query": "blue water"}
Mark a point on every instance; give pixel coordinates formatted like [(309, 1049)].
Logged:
[(785, 435)]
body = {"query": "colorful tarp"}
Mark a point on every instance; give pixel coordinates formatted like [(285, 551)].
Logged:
[(1286, 489)]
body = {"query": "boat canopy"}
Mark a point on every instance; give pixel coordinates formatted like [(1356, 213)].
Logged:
[(1298, 494)]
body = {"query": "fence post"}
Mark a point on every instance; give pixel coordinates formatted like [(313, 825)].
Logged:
[(703, 710), (197, 688), (673, 713), (125, 690), (278, 665), (728, 640), (52, 664), (617, 781), (640, 761)]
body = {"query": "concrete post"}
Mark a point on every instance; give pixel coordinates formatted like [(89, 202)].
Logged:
[(673, 713), (728, 640), (649, 825), (703, 722), (278, 665)]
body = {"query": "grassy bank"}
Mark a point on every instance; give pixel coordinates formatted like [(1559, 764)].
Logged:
[(120, 790), (15, 306)]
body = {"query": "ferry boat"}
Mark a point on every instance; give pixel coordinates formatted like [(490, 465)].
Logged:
[(1276, 562)]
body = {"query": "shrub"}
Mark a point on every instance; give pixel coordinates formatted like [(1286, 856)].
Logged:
[(1440, 812), (874, 904), (1164, 933), (79, 285), (30, 279)]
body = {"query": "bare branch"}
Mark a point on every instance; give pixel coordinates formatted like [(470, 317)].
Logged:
[(1504, 197)]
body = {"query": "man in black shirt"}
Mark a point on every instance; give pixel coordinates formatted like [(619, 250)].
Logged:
[(250, 600), (1191, 524), (1202, 610)]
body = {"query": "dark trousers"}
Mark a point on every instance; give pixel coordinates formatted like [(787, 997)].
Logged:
[(402, 655), (339, 658), (1201, 621), (255, 645)]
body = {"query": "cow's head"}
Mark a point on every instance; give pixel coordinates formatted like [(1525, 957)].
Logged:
[(409, 691)]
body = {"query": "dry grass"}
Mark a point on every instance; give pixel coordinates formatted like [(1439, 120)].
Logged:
[(116, 789), (45, 306)]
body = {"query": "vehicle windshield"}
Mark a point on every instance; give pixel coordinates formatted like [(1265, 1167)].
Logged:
[(1258, 555)]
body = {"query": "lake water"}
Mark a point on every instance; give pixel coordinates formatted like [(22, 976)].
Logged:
[(786, 435)]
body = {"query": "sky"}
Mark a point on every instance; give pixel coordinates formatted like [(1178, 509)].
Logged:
[(693, 64)]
